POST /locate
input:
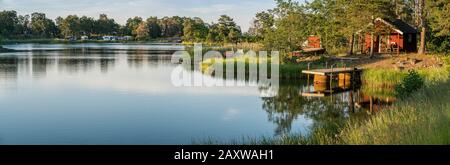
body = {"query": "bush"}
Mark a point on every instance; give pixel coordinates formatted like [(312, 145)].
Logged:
[(411, 83)]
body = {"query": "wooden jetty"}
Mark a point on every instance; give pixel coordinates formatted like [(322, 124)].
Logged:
[(335, 71), (323, 80), (325, 76)]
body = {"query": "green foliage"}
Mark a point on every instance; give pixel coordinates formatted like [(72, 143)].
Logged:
[(195, 30), (439, 44), (73, 25), (336, 21), (227, 30), (42, 26), (154, 27), (171, 26), (142, 31), (439, 17), (262, 24), (8, 21), (289, 34), (70, 26), (411, 83), (131, 26)]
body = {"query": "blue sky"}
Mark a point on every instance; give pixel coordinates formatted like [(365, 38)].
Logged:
[(242, 11)]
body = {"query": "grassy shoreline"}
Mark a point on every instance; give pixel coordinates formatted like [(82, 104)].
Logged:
[(286, 71), (423, 118)]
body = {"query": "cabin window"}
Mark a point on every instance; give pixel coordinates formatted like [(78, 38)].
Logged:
[(409, 37)]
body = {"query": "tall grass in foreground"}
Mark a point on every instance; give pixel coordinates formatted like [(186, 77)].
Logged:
[(390, 77), (423, 118)]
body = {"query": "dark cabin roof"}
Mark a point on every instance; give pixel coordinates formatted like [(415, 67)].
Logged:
[(399, 25)]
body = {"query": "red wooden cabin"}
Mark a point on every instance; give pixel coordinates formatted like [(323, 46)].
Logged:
[(390, 36), (314, 42)]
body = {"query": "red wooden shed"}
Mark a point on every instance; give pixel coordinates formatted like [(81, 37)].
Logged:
[(390, 36), (314, 42)]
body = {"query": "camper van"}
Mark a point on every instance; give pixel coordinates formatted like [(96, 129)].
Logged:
[(109, 38)]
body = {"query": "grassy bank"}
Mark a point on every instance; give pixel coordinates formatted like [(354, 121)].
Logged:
[(422, 118), (390, 77), (287, 70)]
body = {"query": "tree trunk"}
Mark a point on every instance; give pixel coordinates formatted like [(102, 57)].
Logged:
[(422, 48), (371, 45), (352, 41)]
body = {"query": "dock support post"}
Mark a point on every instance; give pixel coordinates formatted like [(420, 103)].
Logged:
[(309, 87), (331, 82)]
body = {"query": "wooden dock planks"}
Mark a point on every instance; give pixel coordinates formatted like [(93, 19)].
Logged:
[(335, 71)]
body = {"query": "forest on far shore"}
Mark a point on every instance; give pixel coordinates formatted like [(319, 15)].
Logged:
[(284, 27)]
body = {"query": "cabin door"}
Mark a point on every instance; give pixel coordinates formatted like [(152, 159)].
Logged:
[(376, 44)]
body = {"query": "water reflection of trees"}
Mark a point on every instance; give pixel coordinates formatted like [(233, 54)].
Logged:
[(38, 63), (8, 70), (289, 105)]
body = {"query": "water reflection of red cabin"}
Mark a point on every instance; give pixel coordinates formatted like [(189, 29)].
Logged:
[(390, 36)]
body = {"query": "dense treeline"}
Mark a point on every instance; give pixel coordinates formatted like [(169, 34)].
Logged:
[(337, 21), (37, 25), (285, 27)]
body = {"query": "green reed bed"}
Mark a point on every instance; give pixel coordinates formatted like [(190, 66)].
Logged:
[(287, 70)]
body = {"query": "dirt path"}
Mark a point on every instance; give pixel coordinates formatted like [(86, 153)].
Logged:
[(404, 61)]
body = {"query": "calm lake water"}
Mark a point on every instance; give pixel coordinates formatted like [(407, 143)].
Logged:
[(122, 94)]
